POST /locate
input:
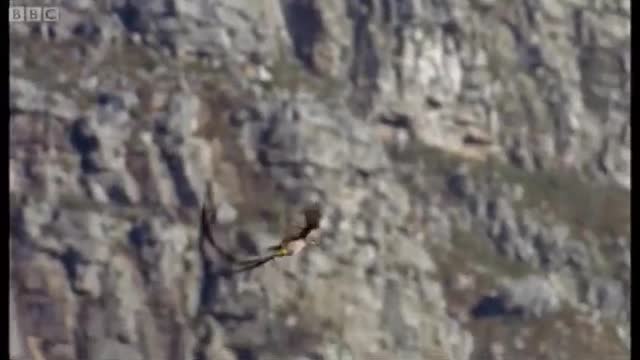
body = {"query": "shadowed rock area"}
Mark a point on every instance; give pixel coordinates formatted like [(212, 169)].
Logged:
[(472, 159)]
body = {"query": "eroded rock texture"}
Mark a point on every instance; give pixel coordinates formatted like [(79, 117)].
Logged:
[(472, 158)]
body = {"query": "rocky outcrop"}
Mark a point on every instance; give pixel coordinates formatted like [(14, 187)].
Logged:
[(472, 160)]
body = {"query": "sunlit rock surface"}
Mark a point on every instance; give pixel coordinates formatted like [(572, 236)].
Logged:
[(472, 159)]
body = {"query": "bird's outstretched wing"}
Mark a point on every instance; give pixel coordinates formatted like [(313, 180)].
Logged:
[(207, 236), (208, 215), (311, 221), (301, 229)]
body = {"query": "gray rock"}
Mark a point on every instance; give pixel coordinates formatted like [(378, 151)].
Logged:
[(431, 293), (163, 185), (286, 135), (89, 281), (461, 184), (61, 352), (41, 283), (25, 95), (34, 217), (478, 205), (577, 255), (182, 118), (364, 256), (617, 161), (107, 349), (464, 346), (559, 235), (500, 210), (626, 258), (63, 107), (546, 83), (439, 226), (509, 242), (408, 253), (121, 189), (625, 336), (529, 227), (99, 138), (123, 291), (16, 64), (320, 264), (15, 336), (130, 99), (393, 317), (497, 350), (226, 214), (533, 295), (83, 233), (606, 295), (77, 4)]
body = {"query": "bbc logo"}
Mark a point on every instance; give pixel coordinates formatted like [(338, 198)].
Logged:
[(33, 14)]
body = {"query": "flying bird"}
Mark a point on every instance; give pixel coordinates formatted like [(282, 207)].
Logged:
[(293, 241)]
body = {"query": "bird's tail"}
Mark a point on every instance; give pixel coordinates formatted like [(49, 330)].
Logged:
[(207, 235), (249, 265)]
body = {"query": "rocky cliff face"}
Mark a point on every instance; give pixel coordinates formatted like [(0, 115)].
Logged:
[(472, 159)]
